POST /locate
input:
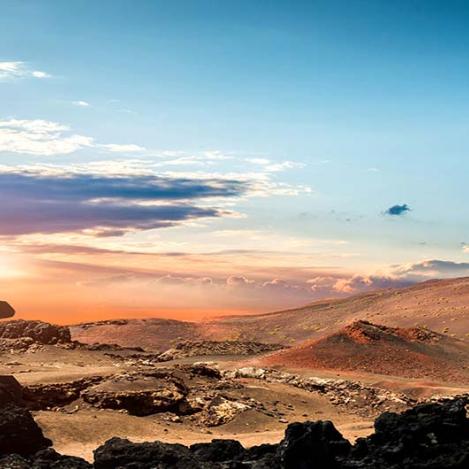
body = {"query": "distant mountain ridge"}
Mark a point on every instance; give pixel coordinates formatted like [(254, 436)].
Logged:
[(439, 305)]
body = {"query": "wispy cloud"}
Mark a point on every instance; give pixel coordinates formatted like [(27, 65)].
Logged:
[(46, 138), (16, 70), (81, 103), (125, 148)]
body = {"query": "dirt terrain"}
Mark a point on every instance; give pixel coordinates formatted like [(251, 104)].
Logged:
[(248, 409), (241, 378), (439, 305), (365, 347)]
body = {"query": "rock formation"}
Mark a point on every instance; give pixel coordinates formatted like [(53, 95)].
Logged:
[(41, 332), (6, 311)]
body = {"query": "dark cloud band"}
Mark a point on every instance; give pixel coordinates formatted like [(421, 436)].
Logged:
[(36, 203)]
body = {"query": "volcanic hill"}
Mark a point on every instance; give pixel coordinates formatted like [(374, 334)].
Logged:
[(365, 347)]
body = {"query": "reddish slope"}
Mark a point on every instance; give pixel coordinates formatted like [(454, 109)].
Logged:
[(440, 305), (365, 347)]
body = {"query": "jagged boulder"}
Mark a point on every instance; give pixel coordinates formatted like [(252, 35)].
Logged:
[(429, 436), (218, 451), (11, 392), (123, 454), (19, 433), (41, 332), (312, 444)]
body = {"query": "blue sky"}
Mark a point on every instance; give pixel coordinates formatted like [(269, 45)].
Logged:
[(325, 113)]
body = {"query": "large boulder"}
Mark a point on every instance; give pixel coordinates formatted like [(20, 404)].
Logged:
[(429, 436), (123, 454), (50, 459), (19, 433), (11, 392), (6, 311), (41, 332), (218, 450), (312, 445)]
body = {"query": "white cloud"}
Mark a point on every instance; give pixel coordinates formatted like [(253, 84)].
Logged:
[(81, 103), (39, 137), (45, 138), (15, 70), (39, 74), (272, 166), (125, 148)]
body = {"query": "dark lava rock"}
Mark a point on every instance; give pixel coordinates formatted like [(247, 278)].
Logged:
[(218, 450), (44, 459), (312, 445), (41, 332), (15, 461), (429, 436), (50, 459), (123, 454), (19, 433), (11, 392), (6, 311)]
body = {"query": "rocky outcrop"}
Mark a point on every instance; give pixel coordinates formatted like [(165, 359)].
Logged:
[(142, 394), (11, 392), (19, 433), (47, 396), (205, 347), (221, 410), (40, 332), (427, 436), (432, 436), (6, 311), (363, 399), (124, 454)]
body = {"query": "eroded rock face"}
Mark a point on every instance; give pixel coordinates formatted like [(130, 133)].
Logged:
[(221, 410), (142, 394), (19, 433), (46, 396), (41, 332)]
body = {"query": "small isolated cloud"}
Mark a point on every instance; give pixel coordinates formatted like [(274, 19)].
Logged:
[(16, 70), (125, 148), (397, 210), (81, 103)]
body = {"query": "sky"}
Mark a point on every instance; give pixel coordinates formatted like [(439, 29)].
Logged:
[(196, 158)]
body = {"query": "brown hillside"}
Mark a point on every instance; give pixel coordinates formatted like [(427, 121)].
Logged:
[(370, 348), (440, 305)]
